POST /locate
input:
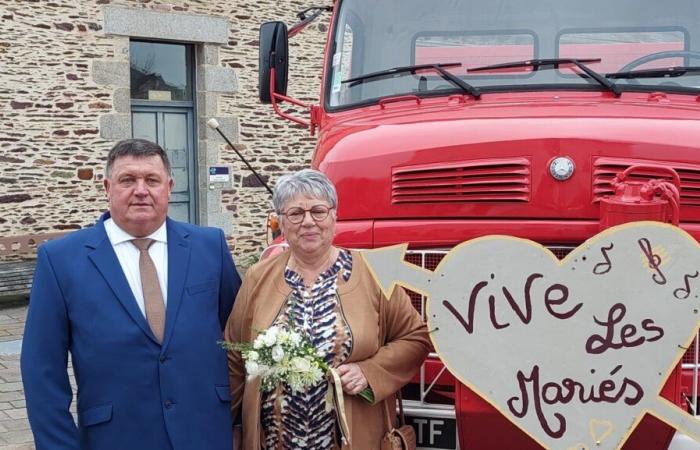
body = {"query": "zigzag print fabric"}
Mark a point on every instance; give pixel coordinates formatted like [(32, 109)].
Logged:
[(293, 421)]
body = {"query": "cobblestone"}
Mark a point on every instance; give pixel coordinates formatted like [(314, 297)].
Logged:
[(15, 433)]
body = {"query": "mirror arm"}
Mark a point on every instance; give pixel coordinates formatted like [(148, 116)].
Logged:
[(305, 20), (275, 97)]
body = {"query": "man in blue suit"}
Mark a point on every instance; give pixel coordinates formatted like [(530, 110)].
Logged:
[(139, 301)]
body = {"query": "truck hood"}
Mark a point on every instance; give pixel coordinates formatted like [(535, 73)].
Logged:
[(459, 158)]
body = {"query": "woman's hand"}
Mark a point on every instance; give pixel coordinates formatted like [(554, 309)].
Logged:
[(352, 378)]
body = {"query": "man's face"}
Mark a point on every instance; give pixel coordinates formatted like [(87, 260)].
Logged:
[(138, 190)]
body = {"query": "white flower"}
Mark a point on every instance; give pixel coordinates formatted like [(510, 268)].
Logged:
[(252, 368), (277, 353), (270, 337), (283, 337), (258, 343), (295, 338), (301, 364), (252, 356)]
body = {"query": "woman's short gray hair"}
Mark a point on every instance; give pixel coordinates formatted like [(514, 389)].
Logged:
[(307, 182)]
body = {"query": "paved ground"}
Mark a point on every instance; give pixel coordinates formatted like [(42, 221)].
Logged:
[(14, 428)]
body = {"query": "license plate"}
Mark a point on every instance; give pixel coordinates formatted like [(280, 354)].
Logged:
[(434, 433)]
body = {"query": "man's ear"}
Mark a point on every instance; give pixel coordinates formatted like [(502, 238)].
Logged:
[(106, 183)]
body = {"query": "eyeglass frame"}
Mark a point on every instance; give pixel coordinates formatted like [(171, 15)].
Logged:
[(286, 213)]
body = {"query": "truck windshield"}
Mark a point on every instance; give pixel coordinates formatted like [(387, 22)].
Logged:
[(628, 37)]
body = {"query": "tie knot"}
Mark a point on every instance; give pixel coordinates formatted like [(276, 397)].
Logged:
[(142, 244)]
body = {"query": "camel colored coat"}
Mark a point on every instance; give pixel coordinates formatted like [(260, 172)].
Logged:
[(390, 341)]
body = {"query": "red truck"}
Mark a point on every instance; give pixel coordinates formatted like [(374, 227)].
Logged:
[(442, 121)]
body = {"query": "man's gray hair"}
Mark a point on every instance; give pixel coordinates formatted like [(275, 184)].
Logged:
[(306, 182), (138, 148)]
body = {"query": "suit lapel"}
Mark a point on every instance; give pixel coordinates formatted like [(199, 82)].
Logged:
[(178, 264), (106, 262)]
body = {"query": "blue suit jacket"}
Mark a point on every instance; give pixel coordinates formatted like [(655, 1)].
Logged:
[(133, 393)]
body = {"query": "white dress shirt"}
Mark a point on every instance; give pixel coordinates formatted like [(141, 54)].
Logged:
[(128, 256)]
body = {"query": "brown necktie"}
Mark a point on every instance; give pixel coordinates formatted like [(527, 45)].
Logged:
[(152, 295)]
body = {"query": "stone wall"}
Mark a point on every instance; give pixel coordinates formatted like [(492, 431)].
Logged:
[(52, 138)]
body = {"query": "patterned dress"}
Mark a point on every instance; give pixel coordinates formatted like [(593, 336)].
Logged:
[(300, 420)]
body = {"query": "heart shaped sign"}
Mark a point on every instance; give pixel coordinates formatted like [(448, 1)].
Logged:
[(573, 352)]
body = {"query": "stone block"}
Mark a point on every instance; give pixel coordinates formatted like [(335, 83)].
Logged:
[(147, 23), (218, 79), (122, 100), (113, 73), (221, 220), (207, 104), (214, 201), (209, 153), (114, 127), (208, 54), (121, 47)]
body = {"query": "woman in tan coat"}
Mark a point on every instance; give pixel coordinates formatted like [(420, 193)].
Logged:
[(328, 294)]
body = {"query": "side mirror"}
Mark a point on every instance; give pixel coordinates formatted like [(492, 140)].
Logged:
[(274, 49)]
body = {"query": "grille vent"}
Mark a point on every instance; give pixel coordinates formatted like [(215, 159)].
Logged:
[(490, 180)]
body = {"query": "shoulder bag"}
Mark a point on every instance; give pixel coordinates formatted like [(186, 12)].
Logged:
[(401, 438)]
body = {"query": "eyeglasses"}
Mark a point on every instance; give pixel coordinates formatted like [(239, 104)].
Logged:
[(296, 215)]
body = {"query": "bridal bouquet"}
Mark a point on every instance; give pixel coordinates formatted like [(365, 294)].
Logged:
[(278, 355)]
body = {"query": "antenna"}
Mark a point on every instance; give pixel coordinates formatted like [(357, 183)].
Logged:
[(214, 125)]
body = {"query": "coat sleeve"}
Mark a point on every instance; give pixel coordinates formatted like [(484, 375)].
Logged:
[(44, 362), (229, 281), (235, 332), (406, 344)]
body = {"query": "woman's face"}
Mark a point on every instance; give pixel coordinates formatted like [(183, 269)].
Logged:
[(310, 237)]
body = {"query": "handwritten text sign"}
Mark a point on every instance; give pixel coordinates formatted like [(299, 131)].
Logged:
[(573, 352)]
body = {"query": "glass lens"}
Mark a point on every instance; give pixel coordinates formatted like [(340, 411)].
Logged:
[(319, 213), (295, 215)]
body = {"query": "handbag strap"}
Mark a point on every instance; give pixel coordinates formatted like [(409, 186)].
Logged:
[(387, 414)]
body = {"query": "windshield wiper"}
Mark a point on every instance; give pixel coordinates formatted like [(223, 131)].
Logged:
[(555, 63), (662, 72), (439, 68)]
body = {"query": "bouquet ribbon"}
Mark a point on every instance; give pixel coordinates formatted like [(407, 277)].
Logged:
[(337, 394)]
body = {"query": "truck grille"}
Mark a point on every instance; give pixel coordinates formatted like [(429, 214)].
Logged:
[(605, 169), (689, 356), (488, 180)]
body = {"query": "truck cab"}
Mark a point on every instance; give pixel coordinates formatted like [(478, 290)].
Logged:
[(443, 121)]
